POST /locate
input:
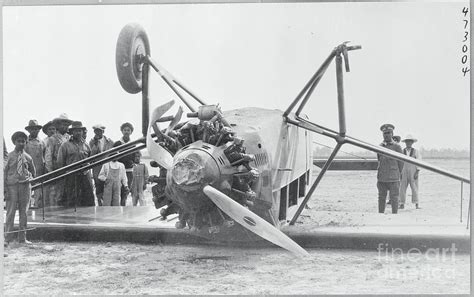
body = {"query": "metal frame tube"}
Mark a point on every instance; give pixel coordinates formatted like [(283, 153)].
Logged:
[(460, 213), (87, 167), (145, 99), (468, 214), (316, 183), (86, 160), (340, 96), (75, 194), (405, 158), (183, 87), (308, 94), (42, 195), (318, 73), (377, 149), (168, 82)]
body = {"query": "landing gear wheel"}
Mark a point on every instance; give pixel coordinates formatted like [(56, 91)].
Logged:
[(132, 46)]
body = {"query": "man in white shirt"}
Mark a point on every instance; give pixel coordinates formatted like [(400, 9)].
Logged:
[(99, 143), (410, 173)]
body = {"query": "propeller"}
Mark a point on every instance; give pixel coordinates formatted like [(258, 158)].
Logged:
[(252, 222), (156, 151), (175, 120)]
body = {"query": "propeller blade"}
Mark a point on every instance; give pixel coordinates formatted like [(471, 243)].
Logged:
[(160, 111), (156, 151), (252, 222), (175, 121)]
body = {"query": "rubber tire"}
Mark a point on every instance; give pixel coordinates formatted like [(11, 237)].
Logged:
[(132, 39)]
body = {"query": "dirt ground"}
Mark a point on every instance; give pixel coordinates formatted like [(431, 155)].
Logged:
[(123, 268), (61, 268)]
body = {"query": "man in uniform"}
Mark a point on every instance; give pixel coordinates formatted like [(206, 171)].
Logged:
[(99, 144), (388, 171), (56, 190), (35, 148)]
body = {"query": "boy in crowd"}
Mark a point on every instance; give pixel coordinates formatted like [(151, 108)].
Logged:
[(140, 179), (115, 181), (19, 170)]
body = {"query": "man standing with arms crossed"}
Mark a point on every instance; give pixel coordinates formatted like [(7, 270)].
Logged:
[(389, 171)]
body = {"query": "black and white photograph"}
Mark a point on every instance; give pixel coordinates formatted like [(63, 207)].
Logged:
[(237, 148)]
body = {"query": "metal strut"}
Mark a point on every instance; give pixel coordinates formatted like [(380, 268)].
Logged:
[(340, 53), (171, 82), (316, 183), (460, 213), (42, 197), (307, 90)]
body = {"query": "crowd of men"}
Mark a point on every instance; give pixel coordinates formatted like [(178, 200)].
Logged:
[(66, 143), (105, 185), (394, 176)]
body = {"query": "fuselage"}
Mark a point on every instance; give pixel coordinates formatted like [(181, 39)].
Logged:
[(281, 154)]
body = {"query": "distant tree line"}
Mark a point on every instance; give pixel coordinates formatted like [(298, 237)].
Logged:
[(444, 153)]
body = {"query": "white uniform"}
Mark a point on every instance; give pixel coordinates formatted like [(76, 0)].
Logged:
[(408, 177)]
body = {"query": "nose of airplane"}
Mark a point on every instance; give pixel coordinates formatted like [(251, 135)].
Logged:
[(192, 170)]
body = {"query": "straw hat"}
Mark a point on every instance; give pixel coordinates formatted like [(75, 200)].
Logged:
[(410, 137), (98, 126), (62, 118)]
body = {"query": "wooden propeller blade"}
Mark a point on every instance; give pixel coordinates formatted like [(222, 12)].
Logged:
[(253, 222), (156, 151), (175, 120)]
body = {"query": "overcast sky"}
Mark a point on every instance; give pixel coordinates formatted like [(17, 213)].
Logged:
[(62, 59)]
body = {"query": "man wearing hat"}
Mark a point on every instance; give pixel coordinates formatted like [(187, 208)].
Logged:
[(99, 144), (388, 171), (35, 148), (49, 129), (56, 190), (78, 187), (127, 161), (410, 173)]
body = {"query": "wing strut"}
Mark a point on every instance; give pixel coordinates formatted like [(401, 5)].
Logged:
[(340, 53)]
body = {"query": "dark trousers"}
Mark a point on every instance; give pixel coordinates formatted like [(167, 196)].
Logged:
[(99, 190), (394, 189), (17, 197), (123, 193), (78, 191)]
